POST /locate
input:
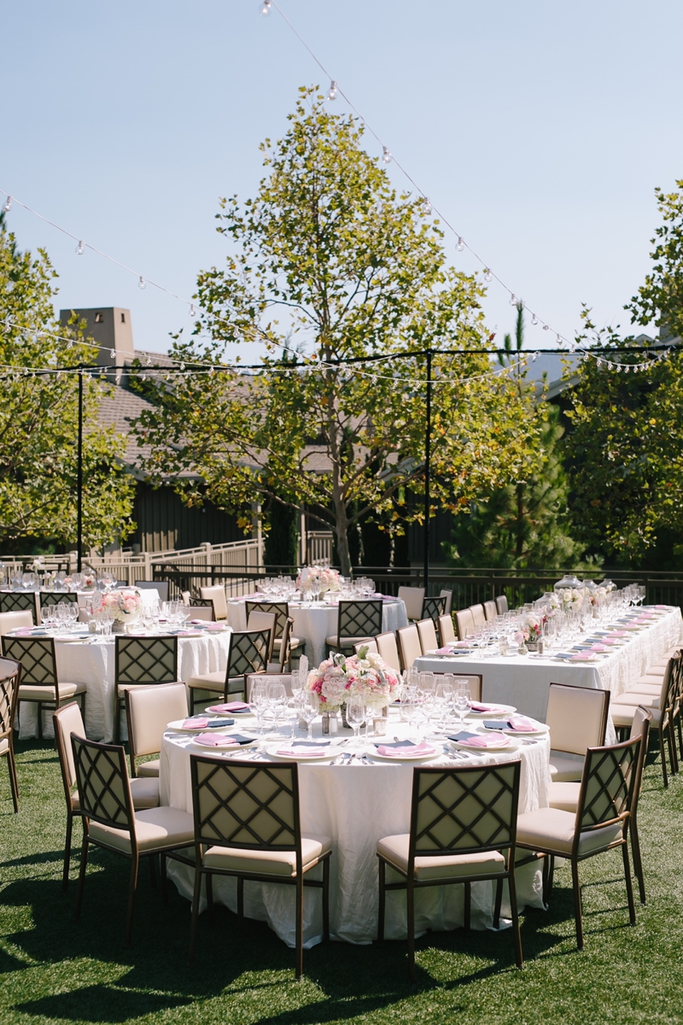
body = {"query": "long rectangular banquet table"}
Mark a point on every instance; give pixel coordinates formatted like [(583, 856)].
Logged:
[(357, 804), (316, 620), (523, 680), (89, 659)]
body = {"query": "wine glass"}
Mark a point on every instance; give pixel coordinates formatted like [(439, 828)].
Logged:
[(308, 709), (277, 697), (463, 699), (259, 700), (355, 717)]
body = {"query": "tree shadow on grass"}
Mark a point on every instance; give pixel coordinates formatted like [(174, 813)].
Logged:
[(101, 1004)]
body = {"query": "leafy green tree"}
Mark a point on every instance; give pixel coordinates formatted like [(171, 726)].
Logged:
[(39, 417), (523, 524), (328, 263), (660, 299)]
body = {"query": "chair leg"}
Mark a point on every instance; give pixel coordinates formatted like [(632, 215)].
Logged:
[(81, 875), (410, 901), (299, 927), (499, 901), (468, 906), (662, 754), (517, 936), (209, 895), (326, 900), (12, 766), (195, 911), (67, 850), (629, 885), (382, 901), (577, 904), (637, 859), (671, 740), (131, 897)]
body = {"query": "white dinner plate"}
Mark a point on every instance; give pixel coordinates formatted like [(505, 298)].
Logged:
[(540, 732), (232, 748), (331, 752), (374, 753), (493, 711), (244, 711), (178, 725)]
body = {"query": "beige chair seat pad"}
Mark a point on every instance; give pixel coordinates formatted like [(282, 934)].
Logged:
[(150, 768), (564, 795), (208, 681), (155, 828), (293, 641), (636, 697), (564, 765), (280, 863), (346, 642), (39, 692), (622, 715), (394, 849), (552, 828), (643, 687)]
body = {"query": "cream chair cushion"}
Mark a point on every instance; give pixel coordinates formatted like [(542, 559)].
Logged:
[(564, 796), (566, 766), (217, 596), (388, 650), (19, 620), (208, 681), (34, 692), (427, 634), (4, 746), (394, 849), (281, 863), (412, 597), (150, 768), (553, 828), (151, 709), (575, 718), (156, 828), (345, 642), (622, 715)]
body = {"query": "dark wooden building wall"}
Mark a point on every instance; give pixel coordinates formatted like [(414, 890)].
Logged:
[(164, 522)]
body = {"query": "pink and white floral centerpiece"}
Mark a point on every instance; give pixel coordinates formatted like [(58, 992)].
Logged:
[(123, 606), (317, 578), (364, 675)]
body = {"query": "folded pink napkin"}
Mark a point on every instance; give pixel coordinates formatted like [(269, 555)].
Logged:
[(662, 606), (444, 651), (520, 724), (617, 633), (231, 706), (477, 706), (611, 640), (215, 740), (414, 751), (197, 722), (582, 656), (23, 631), (215, 626), (598, 647), (483, 740), (302, 752)]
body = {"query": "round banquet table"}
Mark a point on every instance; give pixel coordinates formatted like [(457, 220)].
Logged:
[(356, 804), (316, 620), (90, 660)]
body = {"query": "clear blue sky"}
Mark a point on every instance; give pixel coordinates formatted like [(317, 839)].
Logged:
[(539, 128)]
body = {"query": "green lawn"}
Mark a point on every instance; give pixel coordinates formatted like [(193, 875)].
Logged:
[(57, 970)]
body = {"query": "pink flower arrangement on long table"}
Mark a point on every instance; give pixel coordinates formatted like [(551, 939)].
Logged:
[(364, 675), (126, 604)]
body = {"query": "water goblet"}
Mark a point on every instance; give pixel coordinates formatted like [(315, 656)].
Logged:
[(355, 717), (463, 699), (308, 709)]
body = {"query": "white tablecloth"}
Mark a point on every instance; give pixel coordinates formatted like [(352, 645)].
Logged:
[(314, 621), (92, 662), (356, 805), (523, 680)]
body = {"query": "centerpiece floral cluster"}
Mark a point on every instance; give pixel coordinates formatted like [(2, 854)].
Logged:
[(364, 675), (124, 605), (318, 578)]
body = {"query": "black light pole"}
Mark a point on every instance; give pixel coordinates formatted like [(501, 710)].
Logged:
[(79, 477), (428, 454)]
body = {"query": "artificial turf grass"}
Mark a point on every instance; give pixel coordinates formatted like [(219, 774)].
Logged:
[(57, 970)]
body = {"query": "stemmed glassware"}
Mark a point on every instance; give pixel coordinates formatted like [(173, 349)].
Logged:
[(308, 709), (355, 717), (463, 699)]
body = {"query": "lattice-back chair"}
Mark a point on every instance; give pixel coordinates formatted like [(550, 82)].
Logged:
[(601, 821), (202, 612), (478, 615), (160, 586), (463, 826), (490, 611), (664, 703), (109, 820), (201, 603), (263, 621), (412, 597), (247, 654), (247, 824), (427, 633), (357, 621), (473, 681), (19, 601), (67, 720), (10, 678), (217, 596), (40, 683), (577, 719), (446, 630), (408, 644), (149, 710), (464, 622), (281, 611), (501, 604), (433, 607), (387, 649), (46, 598), (142, 662)]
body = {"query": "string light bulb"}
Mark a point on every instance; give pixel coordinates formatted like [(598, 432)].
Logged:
[(513, 299), (142, 283), (461, 245), (426, 206), (386, 155), (332, 94), (79, 248), (8, 205), (193, 310), (265, 10), (487, 274), (534, 320)]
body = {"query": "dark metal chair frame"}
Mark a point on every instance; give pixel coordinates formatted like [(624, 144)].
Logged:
[(359, 618), (54, 597), (434, 607), (131, 666), (471, 834), (19, 601), (202, 603), (39, 669), (10, 679), (247, 655), (281, 612), (269, 831), (99, 767), (616, 769)]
